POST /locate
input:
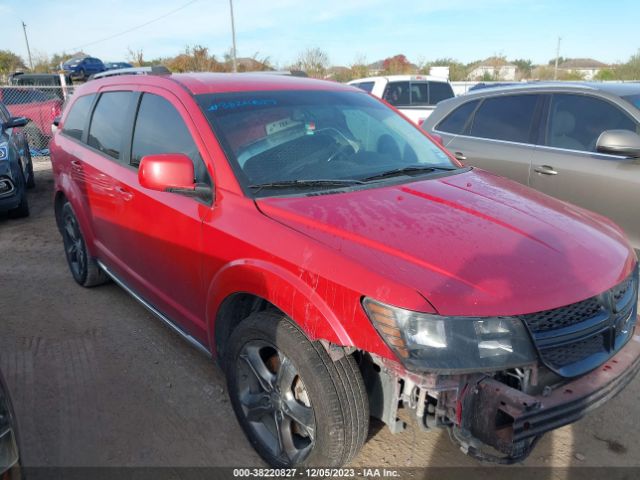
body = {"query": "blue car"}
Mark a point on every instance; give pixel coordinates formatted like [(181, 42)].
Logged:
[(83, 67), (16, 166), (116, 65)]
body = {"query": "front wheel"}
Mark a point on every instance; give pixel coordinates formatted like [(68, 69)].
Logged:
[(296, 405)]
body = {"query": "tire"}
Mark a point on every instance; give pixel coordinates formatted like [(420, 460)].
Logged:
[(31, 183), (275, 374), (83, 267), (22, 210), (35, 138)]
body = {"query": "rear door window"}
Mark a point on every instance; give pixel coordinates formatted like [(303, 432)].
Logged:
[(457, 120), (77, 117), (576, 121), (439, 91), (160, 129), (110, 123), (507, 118)]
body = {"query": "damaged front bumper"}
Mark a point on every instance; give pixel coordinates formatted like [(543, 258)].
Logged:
[(506, 418), (481, 410)]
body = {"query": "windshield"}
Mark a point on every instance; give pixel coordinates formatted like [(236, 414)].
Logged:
[(633, 100), (293, 137)]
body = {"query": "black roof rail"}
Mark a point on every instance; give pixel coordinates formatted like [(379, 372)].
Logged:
[(153, 70)]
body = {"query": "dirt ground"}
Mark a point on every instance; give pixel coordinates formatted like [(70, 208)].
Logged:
[(98, 381)]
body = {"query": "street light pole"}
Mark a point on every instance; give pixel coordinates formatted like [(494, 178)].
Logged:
[(24, 29), (233, 37), (555, 71)]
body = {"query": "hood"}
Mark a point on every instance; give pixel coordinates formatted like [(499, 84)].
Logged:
[(471, 243)]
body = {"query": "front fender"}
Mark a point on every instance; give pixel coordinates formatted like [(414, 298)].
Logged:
[(294, 295)]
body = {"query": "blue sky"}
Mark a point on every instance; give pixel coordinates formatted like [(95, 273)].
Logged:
[(346, 29)]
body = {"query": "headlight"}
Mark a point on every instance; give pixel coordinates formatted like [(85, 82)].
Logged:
[(425, 341), (4, 151)]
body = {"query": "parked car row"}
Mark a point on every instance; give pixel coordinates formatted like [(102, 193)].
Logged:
[(576, 142), (84, 67), (340, 264)]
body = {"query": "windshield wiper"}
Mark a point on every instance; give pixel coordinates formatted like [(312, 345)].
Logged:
[(406, 171), (305, 184)]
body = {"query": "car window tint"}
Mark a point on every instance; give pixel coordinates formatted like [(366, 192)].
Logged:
[(576, 121), (397, 93), (505, 118), (439, 91), (77, 117), (456, 121), (109, 123), (419, 93), (366, 86), (160, 129)]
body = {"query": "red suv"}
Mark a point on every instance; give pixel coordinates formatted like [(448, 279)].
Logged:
[(341, 265)]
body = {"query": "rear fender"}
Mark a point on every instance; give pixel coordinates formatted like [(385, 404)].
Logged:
[(65, 186)]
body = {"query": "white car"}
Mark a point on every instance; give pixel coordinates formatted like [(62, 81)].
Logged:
[(414, 95)]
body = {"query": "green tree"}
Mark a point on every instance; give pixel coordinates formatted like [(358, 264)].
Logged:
[(457, 70), (359, 67), (313, 61), (606, 74), (631, 69), (10, 62), (525, 67)]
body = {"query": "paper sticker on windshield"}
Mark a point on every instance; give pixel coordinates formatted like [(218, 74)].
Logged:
[(278, 126)]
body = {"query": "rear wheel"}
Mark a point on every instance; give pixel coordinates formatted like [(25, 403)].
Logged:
[(84, 268), (296, 405)]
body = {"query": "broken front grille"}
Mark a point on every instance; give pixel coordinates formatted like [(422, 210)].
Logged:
[(579, 337)]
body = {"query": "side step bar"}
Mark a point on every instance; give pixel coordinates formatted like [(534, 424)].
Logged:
[(156, 312)]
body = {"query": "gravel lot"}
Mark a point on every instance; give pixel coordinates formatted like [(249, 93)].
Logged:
[(98, 381)]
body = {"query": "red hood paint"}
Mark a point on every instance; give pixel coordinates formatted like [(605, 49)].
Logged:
[(471, 243)]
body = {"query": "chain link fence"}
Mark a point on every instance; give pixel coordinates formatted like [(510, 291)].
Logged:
[(40, 105)]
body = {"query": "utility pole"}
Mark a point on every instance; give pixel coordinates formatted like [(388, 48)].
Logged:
[(24, 29), (555, 71), (233, 37)]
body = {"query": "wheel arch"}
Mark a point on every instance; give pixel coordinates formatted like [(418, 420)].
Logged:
[(63, 195), (246, 286)]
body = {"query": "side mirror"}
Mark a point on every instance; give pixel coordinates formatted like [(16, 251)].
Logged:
[(15, 122), (171, 172), (619, 142)]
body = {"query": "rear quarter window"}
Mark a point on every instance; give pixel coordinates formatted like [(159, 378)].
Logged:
[(458, 119), (77, 117)]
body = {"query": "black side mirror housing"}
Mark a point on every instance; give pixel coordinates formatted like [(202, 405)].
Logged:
[(14, 122)]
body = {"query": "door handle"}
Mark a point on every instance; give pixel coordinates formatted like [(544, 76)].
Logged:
[(545, 170), (460, 156), (125, 194)]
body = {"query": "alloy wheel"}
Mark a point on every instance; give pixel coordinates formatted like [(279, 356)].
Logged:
[(74, 245), (275, 402)]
